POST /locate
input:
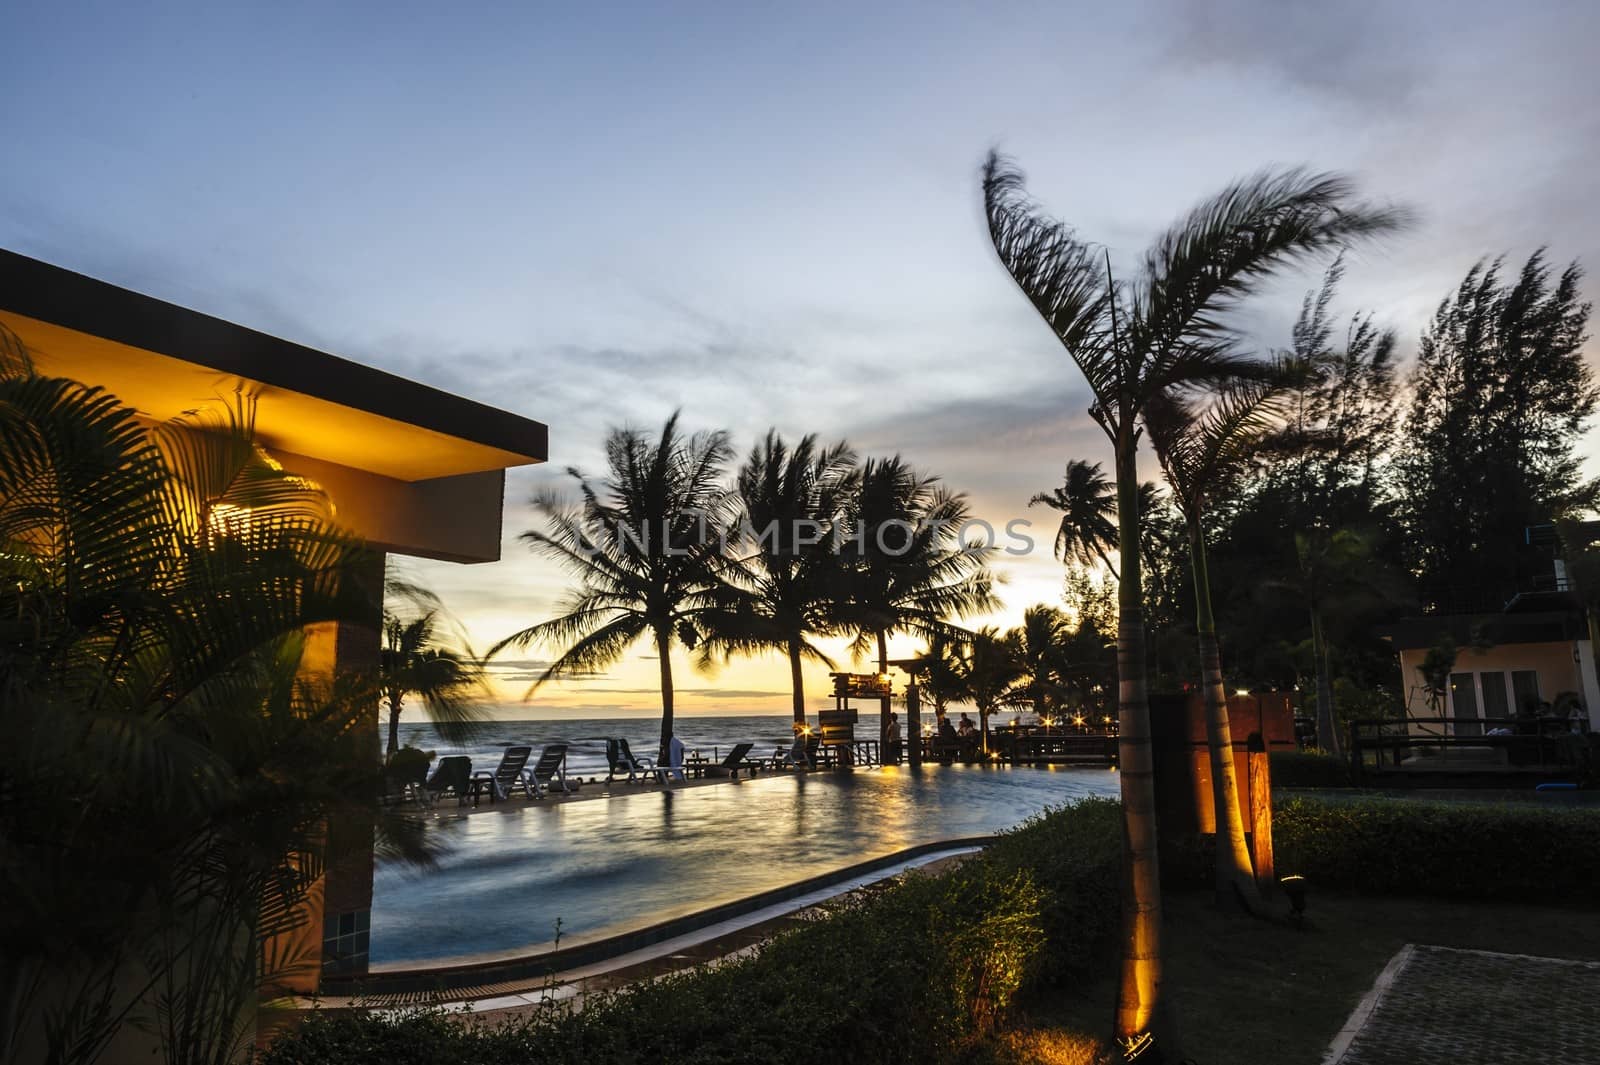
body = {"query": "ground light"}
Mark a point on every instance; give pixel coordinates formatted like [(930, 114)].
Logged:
[(1295, 888)]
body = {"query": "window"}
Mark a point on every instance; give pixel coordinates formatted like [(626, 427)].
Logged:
[(1525, 691), (1464, 705), (1494, 694)]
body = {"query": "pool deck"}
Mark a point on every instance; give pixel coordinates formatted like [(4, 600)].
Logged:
[(1449, 1005), (598, 788)]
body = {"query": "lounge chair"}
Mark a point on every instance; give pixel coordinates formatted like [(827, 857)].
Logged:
[(512, 772), (453, 773), (736, 761), (622, 760), (550, 769)]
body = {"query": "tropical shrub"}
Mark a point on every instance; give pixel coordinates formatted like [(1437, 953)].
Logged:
[(168, 773)]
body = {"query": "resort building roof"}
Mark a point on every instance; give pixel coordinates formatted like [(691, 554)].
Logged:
[(414, 469)]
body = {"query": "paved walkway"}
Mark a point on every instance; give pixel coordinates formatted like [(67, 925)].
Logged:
[(1474, 1007)]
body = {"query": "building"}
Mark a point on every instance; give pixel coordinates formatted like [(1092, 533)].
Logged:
[(1535, 653), (413, 470)]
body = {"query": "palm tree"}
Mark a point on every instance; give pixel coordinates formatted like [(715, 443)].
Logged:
[(792, 499), (1088, 504), (1203, 453), (647, 545), (992, 675), (1040, 643), (939, 666), (1132, 340), (447, 681), (156, 590), (905, 569)]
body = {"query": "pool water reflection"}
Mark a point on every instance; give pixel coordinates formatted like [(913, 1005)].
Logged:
[(605, 866)]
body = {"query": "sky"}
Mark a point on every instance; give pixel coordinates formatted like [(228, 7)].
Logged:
[(765, 215)]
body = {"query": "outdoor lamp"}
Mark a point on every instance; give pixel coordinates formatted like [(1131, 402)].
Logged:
[(1295, 887)]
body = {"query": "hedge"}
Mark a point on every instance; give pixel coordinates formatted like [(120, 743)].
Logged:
[(1309, 769), (913, 970), (1507, 852)]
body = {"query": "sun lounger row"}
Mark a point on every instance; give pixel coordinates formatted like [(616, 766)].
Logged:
[(624, 763), (454, 775)]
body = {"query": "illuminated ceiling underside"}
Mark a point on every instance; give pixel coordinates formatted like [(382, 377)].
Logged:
[(164, 360)]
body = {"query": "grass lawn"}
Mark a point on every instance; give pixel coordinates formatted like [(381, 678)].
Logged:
[(1251, 992)]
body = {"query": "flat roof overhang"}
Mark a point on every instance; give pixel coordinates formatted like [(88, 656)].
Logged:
[(1466, 630), (411, 468)]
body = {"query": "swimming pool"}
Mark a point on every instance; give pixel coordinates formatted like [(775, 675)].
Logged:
[(605, 866)]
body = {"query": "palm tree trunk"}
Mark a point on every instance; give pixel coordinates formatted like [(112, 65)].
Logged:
[(883, 701), (664, 656), (1141, 1012), (1236, 886), (797, 682), (1327, 724), (394, 726)]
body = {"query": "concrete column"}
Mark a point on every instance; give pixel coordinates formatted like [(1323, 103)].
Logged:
[(336, 935)]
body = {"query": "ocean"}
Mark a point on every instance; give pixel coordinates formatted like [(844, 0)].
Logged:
[(586, 738)]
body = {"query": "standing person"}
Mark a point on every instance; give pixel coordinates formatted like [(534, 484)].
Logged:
[(948, 742), (675, 758), (891, 745)]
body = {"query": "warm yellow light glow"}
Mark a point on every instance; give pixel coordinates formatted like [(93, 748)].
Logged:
[(1241, 691), (164, 387), (1134, 1046), (1078, 720), (228, 520)]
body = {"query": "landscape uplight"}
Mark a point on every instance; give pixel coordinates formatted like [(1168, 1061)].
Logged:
[(1295, 887)]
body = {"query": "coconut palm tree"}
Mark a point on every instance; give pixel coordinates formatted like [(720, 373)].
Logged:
[(1040, 643), (905, 568), (993, 676), (647, 545), (1087, 501), (793, 499), (156, 590), (1088, 504), (1203, 449), (1165, 328), (939, 666), (448, 682)]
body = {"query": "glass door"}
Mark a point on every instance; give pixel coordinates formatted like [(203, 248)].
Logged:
[(1495, 703), (1464, 705)]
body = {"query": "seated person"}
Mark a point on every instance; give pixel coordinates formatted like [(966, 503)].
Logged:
[(800, 751), (966, 729)]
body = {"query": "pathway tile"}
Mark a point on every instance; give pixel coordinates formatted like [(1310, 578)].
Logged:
[(1471, 1007)]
